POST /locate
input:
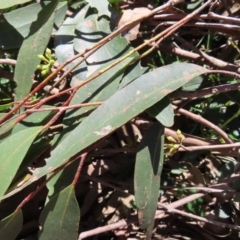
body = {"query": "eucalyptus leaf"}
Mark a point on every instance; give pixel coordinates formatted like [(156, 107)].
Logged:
[(91, 31), (10, 3), (121, 107), (60, 217), (16, 25), (101, 6), (63, 42), (11, 226), (148, 168), (100, 89), (133, 71), (163, 112), (13, 150), (61, 180), (32, 46)]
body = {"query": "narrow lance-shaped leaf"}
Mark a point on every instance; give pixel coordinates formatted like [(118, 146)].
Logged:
[(163, 112), (64, 45), (134, 71), (11, 126), (32, 46), (91, 31), (62, 179), (101, 6), (9, 3), (11, 226), (148, 168), (60, 216), (16, 25), (125, 104), (13, 150), (98, 90)]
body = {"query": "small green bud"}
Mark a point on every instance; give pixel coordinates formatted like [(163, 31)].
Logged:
[(44, 72), (48, 53), (171, 139), (45, 67), (180, 135), (39, 67), (169, 146), (172, 150), (176, 146), (42, 58), (51, 62), (222, 140)]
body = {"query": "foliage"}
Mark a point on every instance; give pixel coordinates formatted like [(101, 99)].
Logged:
[(140, 121)]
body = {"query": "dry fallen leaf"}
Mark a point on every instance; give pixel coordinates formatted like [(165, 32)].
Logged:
[(131, 15)]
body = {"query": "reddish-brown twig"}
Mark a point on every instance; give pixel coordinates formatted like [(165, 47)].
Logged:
[(89, 50), (203, 121)]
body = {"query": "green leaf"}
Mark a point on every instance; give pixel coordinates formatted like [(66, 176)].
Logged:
[(40, 144), (9, 3), (101, 6), (194, 5), (60, 217), (6, 128), (148, 168), (36, 119), (163, 112), (11, 226), (13, 150), (195, 84), (100, 89), (64, 44), (16, 25), (91, 31), (125, 104), (134, 71), (62, 179), (32, 46), (60, 14)]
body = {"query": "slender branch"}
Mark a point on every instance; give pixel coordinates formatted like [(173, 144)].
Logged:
[(207, 91), (124, 223), (209, 59), (56, 171), (169, 31), (189, 139), (213, 147), (63, 109), (110, 227), (223, 72), (78, 172), (204, 189), (200, 57), (190, 215), (218, 26), (209, 16), (75, 106), (203, 121), (231, 178), (32, 194), (8, 61)]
